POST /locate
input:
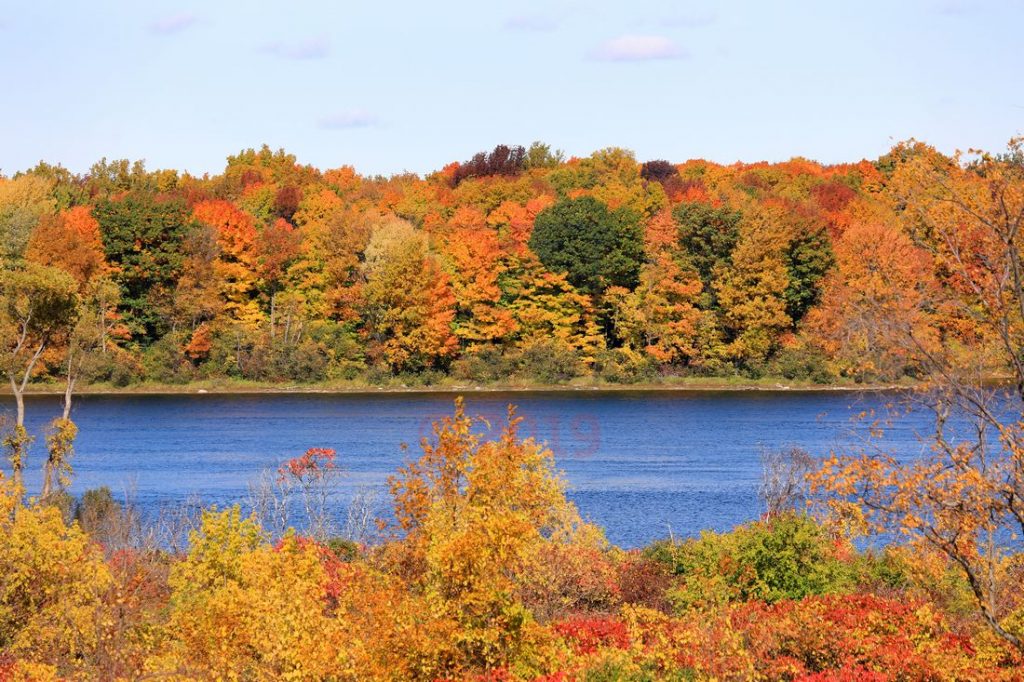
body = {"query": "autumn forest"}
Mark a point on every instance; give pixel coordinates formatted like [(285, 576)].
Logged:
[(515, 266)]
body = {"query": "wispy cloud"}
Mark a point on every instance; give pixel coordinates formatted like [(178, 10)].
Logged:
[(350, 118), (635, 48), (316, 47), (531, 22), (173, 23)]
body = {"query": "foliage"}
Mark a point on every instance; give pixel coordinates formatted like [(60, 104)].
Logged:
[(964, 498), (595, 247), (787, 556), (276, 271), (143, 237), (51, 583)]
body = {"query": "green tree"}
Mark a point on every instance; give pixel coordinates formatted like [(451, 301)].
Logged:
[(595, 247), (143, 237), (808, 259), (539, 155), (38, 305), (707, 236)]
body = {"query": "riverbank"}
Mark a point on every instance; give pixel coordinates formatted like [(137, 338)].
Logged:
[(238, 387)]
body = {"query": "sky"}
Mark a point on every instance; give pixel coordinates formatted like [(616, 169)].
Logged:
[(409, 86)]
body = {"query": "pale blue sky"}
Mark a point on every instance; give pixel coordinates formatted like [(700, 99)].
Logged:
[(392, 86)]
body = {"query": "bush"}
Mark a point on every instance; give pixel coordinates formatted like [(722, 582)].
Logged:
[(802, 364), (343, 548), (786, 557), (100, 515), (164, 361), (618, 367), (487, 365), (550, 362)]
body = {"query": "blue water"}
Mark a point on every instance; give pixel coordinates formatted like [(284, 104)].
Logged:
[(642, 464)]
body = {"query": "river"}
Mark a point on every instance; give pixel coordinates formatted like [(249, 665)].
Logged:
[(643, 464)]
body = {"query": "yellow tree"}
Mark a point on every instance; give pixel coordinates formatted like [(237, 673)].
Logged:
[(52, 579), (243, 609), (751, 288), (660, 317), (477, 516), (408, 306), (23, 201), (548, 309)]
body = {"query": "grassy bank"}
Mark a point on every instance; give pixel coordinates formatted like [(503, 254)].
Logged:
[(237, 386)]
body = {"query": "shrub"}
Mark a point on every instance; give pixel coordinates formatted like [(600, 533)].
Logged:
[(102, 517), (51, 583), (802, 364), (487, 365), (550, 362), (786, 557)]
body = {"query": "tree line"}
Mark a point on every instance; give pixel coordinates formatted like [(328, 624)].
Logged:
[(516, 265)]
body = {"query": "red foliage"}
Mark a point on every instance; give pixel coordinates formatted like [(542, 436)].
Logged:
[(589, 634), (278, 244), (8, 667), (340, 574), (833, 196), (845, 675), (286, 201), (845, 633), (314, 463)]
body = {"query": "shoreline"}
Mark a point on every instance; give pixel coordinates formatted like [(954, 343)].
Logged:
[(222, 388)]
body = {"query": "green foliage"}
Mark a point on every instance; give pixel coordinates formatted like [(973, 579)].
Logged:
[(487, 365), (786, 557), (38, 300), (808, 259), (802, 363), (550, 362), (343, 548), (539, 155), (707, 236), (100, 515), (596, 247), (144, 236)]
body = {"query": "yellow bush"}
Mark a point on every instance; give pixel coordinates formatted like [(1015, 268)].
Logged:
[(52, 580)]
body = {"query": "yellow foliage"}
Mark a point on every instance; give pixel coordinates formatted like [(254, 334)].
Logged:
[(52, 580)]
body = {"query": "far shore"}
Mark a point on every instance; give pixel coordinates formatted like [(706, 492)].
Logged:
[(252, 388)]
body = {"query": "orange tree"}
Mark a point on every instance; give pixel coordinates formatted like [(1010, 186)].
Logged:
[(965, 498)]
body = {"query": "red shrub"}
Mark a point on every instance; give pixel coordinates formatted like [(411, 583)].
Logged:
[(587, 635)]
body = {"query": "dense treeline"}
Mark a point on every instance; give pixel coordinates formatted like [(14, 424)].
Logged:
[(515, 265)]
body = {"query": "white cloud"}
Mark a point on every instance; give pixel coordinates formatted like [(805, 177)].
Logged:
[(634, 48), (173, 23), (351, 118), (311, 48)]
